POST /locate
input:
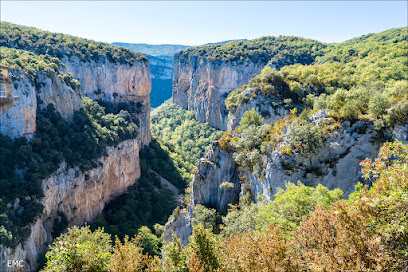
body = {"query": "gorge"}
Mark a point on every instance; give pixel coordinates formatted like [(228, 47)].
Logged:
[(260, 138)]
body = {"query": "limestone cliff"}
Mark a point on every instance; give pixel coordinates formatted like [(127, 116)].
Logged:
[(80, 196), (214, 169), (20, 119), (201, 86), (336, 165), (262, 105), (179, 226), (114, 82)]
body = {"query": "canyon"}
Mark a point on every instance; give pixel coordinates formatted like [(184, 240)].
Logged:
[(78, 196)]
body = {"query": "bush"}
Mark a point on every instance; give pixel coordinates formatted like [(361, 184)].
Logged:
[(305, 137), (80, 250)]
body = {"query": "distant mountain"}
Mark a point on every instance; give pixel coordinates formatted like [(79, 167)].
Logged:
[(161, 67), (224, 42), (158, 50)]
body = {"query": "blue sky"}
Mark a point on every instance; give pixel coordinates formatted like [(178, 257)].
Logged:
[(194, 23)]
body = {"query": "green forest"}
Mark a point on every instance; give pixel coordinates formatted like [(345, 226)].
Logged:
[(59, 45)]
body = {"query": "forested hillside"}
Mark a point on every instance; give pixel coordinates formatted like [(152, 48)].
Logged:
[(166, 51), (56, 44)]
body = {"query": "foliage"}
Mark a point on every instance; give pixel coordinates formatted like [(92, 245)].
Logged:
[(278, 50), (254, 251), (270, 84), (25, 164), (305, 137), (353, 78), (183, 137), (287, 209), (59, 45), (80, 250), (32, 64), (149, 242), (250, 118), (206, 217)]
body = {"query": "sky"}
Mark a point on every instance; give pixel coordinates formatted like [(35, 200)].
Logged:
[(200, 22)]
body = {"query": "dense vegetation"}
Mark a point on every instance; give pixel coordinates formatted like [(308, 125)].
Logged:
[(357, 70), (303, 229), (279, 51), (157, 50), (182, 136), (32, 64), (25, 163), (57, 45)]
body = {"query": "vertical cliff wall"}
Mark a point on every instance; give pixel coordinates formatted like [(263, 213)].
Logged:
[(20, 119), (201, 86), (114, 82), (79, 196)]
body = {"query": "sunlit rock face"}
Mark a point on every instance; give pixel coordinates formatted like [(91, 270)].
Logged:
[(116, 83), (79, 196), (201, 86), (20, 119)]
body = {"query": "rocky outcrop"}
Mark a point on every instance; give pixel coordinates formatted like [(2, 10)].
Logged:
[(201, 86), (20, 119), (262, 105), (336, 165), (400, 133), (79, 196), (114, 82), (216, 183), (179, 226)]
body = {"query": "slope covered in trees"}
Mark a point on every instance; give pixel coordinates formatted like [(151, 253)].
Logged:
[(186, 139), (279, 50), (57, 45)]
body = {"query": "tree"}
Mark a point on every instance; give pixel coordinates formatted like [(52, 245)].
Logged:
[(250, 118), (149, 241), (80, 250)]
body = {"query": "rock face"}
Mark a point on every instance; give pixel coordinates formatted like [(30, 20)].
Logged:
[(336, 165), (162, 78), (261, 105), (180, 226), (216, 167), (80, 196), (115, 82), (201, 86), (20, 119)]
